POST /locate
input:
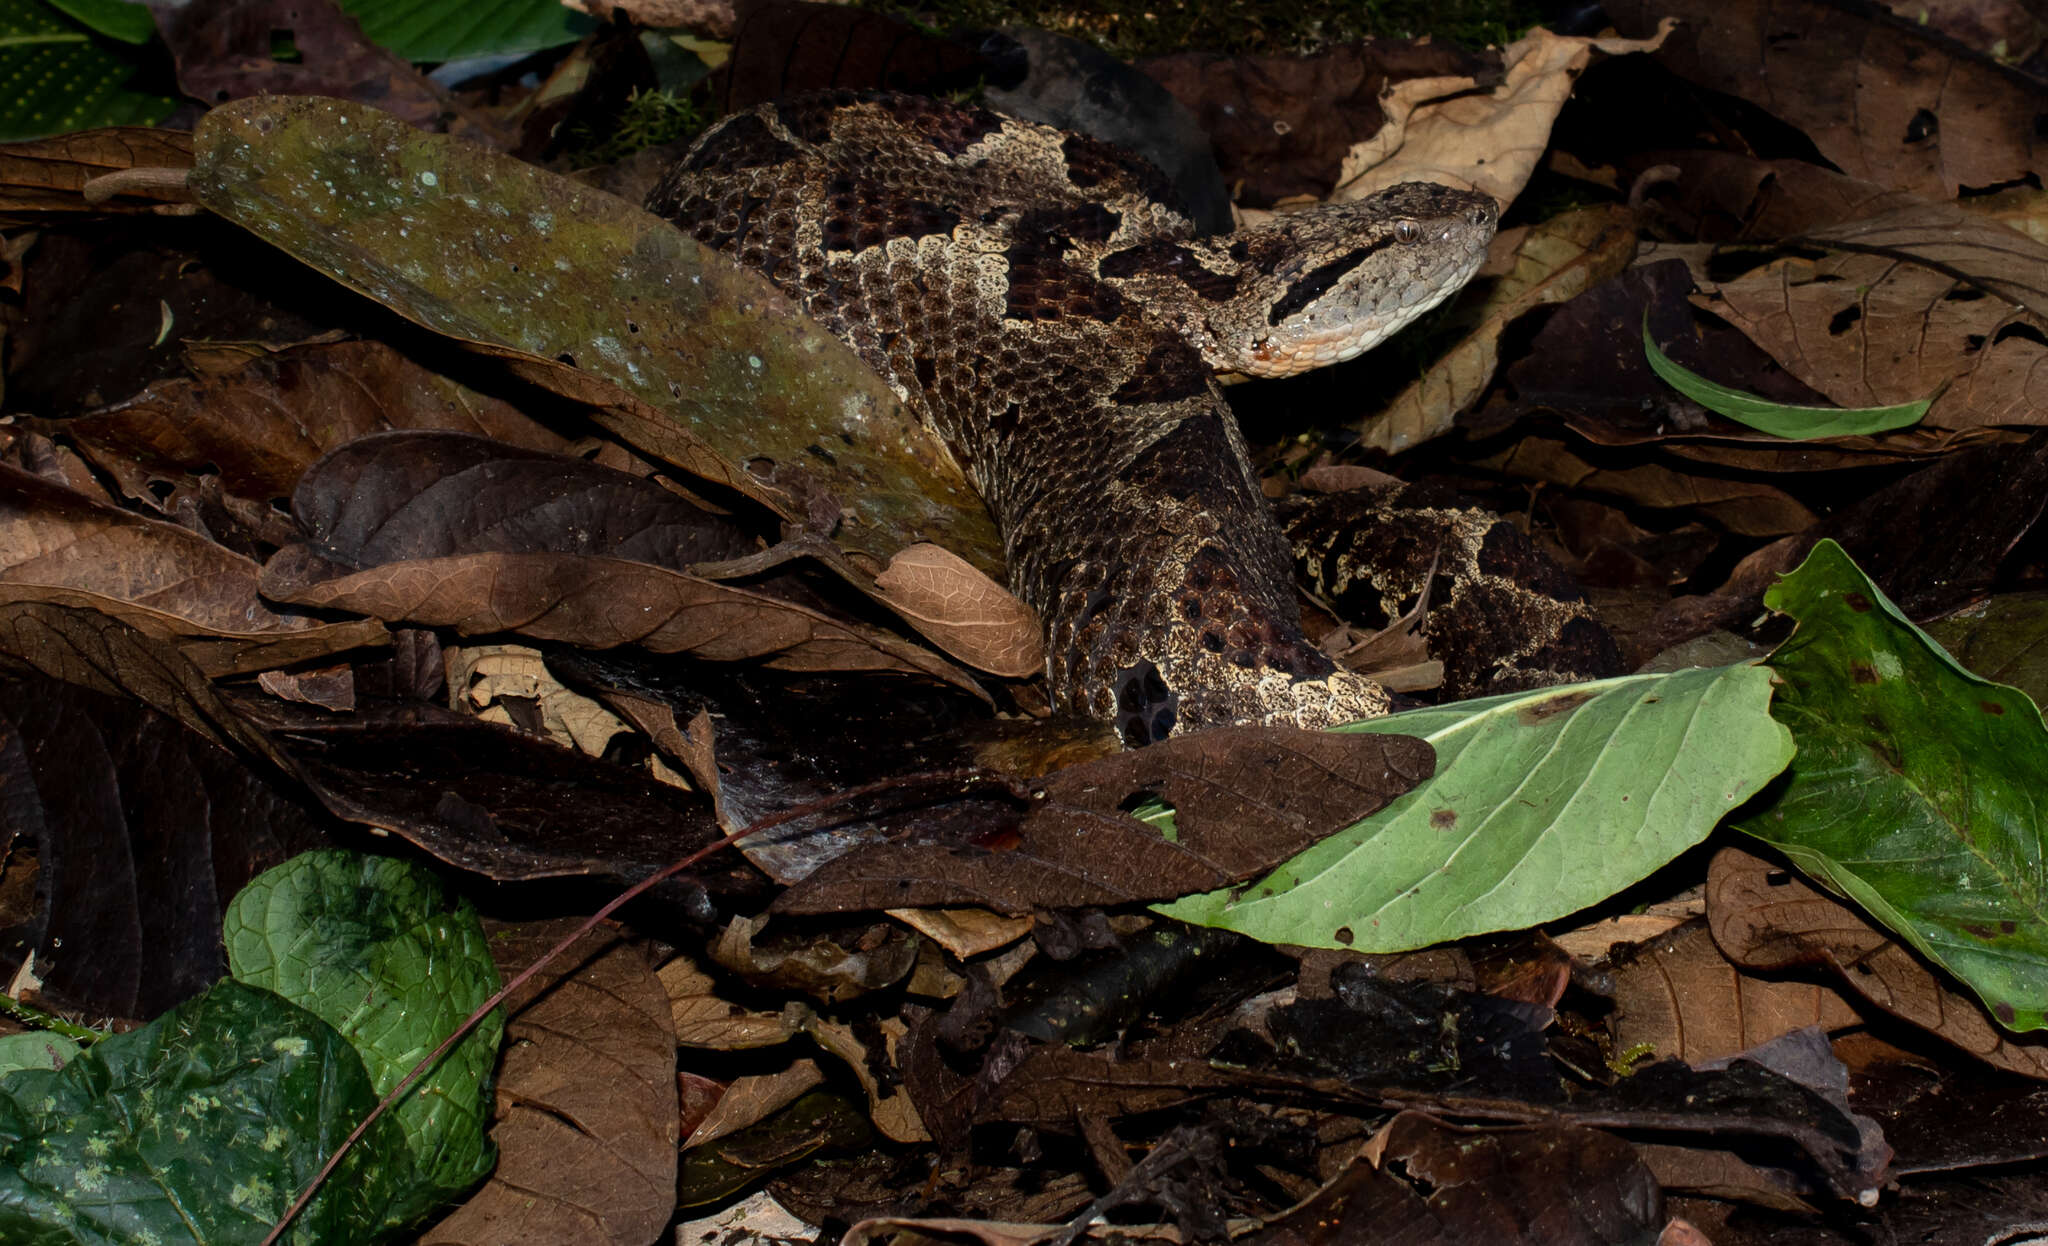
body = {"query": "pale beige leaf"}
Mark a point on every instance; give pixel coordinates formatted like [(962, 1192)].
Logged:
[(891, 1109), (962, 611), (1443, 130), (703, 1019), (964, 932), (753, 1099)]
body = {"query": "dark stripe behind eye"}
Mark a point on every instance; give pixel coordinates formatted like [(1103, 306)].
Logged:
[(1317, 281)]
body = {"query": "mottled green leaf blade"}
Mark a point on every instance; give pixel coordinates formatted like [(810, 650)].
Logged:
[(200, 1127), (446, 30), (491, 250), (375, 947), (1920, 791), (1776, 418), (62, 78), (1542, 804)]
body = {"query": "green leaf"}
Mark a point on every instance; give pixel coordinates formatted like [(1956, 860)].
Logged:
[(1920, 791), (447, 30), (376, 948), (1542, 804), (116, 19), (1777, 419), (36, 1049), (200, 1127), (56, 77)]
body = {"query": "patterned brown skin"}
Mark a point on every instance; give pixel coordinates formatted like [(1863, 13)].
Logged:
[(1039, 302), (1501, 617)]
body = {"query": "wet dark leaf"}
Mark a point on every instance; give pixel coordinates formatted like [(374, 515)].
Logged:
[(140, 831), (1244, 798)]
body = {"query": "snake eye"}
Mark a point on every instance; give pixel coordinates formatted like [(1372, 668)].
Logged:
[(1407, 231)]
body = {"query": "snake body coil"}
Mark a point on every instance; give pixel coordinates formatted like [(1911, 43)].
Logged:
[(1039, 302)]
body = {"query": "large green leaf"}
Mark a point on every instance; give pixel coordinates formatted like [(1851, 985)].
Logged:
[(376, 948), (1542, 804), (1920, 791), (200, 1127), (60, 77), (446, 30)]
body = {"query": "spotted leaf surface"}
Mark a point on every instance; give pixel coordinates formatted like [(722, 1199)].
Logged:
[(1920, 791)]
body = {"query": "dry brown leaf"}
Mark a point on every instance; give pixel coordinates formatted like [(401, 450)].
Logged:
[(754, 1098), (1870, 330), (1766, 917), (890, 1108), (1882, 99), (819, 964), (704, 1019), (1441, 130), (965, 933), (587, 1119), (47, 175), (483, 679), (330, 687), (262, 424), (962, 611), (1682, 997), (62, 547), (1549, 263), (1741, 506), (600, 603)]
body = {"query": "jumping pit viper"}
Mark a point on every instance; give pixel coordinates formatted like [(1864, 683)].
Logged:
[(1038, 301)]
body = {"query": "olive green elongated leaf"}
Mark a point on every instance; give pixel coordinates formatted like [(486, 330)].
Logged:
[(718, 368), (1920, 791), (377, 949), (446, 30), (198, 1128), (1775, 418), (1542, 803)]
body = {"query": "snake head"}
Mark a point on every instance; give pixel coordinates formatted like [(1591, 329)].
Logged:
[(1320, 286)]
